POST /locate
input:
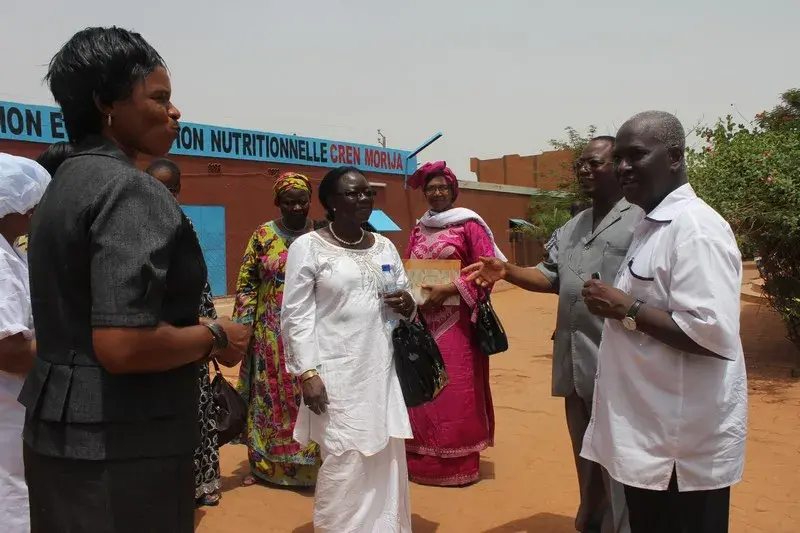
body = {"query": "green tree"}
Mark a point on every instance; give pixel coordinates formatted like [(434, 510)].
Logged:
[(751, 176), (546, 211), (783, 117), (575, 142)]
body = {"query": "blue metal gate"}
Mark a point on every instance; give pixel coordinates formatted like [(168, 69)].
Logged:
[(209, 221)]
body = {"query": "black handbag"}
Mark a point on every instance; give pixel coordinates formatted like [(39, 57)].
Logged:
[(489, 330), (418, 361), (231, 409)]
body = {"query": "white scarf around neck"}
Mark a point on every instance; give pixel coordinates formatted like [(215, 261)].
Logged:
[(459, 215)]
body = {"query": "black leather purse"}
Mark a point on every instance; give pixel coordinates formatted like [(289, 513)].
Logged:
[(418, 361), (231, 408), (489, 330)]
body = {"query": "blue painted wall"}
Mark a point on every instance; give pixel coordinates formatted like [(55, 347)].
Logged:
[(209, 221)]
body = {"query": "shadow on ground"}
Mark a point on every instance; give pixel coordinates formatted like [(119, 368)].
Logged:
[(418, 524), (198, 516), (538, 523), (234, 480), (486, 469)]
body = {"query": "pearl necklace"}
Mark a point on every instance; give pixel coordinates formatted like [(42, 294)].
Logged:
[(347, 243)]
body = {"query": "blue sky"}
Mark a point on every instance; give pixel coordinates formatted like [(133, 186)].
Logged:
[(495, 77)]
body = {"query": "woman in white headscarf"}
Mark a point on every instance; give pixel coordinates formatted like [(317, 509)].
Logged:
[(22, 184)]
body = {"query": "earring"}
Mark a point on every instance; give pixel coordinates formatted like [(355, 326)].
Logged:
[(109, 120)]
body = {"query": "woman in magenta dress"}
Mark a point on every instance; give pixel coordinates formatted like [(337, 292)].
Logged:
[(451, 431)]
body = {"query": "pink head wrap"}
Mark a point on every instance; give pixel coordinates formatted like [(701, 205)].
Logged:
[(434, 169)]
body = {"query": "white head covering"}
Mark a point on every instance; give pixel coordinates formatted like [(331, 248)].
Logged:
[(22, 184)]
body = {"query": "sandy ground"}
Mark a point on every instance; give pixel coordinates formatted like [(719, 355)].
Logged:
[(528, 477)]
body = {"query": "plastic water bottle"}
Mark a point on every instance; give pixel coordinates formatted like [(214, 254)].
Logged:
[(389, 287)]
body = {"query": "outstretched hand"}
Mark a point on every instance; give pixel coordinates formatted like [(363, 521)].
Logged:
[(486, 272)]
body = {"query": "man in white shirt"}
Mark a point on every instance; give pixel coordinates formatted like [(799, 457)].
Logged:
[(670, 404)]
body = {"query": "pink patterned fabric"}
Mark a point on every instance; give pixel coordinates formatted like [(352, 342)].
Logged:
[(451, 431), (431, 170)]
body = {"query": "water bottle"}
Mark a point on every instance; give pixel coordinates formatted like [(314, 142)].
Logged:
[(389, 286)]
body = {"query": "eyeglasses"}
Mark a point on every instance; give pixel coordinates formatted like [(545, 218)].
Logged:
[(368, 194), (433, 189), (594, 164)]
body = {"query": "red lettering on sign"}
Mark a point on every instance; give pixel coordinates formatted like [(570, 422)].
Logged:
[(334, 154), (357, 155), (384, 164), (349, 155), (342, 154), (368, 159)]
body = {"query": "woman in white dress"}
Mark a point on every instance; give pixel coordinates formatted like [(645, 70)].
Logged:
[(338, 307), (22, 184)]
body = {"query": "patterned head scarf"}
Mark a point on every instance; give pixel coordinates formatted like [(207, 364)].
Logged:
[(434, 169), (290, 181)]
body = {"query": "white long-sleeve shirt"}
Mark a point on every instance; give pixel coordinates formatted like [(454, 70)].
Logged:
[(332, 320)]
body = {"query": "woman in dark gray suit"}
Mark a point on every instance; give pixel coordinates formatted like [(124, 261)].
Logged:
[(116, 279)]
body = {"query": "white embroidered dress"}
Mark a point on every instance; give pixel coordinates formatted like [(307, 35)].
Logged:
[(333, 320)]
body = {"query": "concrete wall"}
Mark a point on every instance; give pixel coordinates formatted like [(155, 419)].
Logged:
[(543, 171), (244, 188)]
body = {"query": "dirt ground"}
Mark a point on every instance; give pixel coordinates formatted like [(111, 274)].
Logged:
[(529, 481)]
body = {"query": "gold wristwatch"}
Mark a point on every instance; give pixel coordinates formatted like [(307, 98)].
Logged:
[(629, 322)]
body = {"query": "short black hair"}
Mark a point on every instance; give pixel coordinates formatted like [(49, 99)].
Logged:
[(328, 186), (54, 155), (167, 165), (609, 138), (97, 65)]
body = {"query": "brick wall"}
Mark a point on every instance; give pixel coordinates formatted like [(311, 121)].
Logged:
[(244, 188), (543, 171)]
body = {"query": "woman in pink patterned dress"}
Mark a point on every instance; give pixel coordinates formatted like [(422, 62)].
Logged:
[(451, 431)]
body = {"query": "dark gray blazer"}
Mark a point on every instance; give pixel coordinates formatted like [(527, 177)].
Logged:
[(109, 247)]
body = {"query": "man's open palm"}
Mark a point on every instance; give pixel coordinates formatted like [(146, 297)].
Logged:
[(486, 272)]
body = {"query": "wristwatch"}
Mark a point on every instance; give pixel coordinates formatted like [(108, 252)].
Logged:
[(220, 338), (629, 322)]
